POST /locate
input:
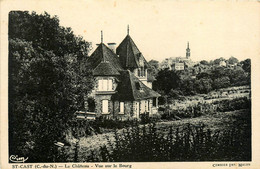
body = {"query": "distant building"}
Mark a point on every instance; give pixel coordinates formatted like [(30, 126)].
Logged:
[(180, 63), (178, 66), (222, 63)]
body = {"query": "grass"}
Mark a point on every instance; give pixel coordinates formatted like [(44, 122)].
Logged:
[(189, 142), (217, 122), (232, 115)]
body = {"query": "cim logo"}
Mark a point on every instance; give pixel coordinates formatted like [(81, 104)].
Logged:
[(17, 159)]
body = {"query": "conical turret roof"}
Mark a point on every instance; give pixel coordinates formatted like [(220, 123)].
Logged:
[(105, 68), (129, 54), (103, 54)]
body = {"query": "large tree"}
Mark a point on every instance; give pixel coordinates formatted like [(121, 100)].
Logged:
[(166, 80), (47, 82), (232, 60), (154, 67)]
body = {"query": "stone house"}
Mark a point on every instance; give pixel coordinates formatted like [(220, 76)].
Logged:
[(122, 87)]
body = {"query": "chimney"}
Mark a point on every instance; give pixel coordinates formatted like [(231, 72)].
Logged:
[(112, 46)]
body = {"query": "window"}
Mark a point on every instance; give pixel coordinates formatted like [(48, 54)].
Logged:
[(110, 84), (142, 105), (122, 107), (105, 106), (139, 72), (143, 71), (100, 85), (137, 85), (146, 105), (154, 102), (105, 85)]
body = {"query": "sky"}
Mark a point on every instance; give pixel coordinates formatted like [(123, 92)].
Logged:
[(161, 29)]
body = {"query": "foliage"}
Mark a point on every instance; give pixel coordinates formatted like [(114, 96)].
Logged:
[(47, 82), (204, 108), (202, 78), (190, 143), (166, 80), (204, 62), (232, 60), (217, 61), (235, 104), (154, 67), (246, 65)]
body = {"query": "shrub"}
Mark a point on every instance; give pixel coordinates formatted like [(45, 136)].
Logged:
[(235, 104), (190, 143)]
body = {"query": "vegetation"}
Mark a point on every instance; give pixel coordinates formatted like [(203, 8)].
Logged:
[(207, 108), (191, 143), (202, 78), (46, 83)]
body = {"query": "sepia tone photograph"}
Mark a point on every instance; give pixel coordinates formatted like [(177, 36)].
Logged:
[(131, 82)]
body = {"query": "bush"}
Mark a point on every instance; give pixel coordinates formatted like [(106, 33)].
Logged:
[(190, 143), (189, 112), (206, 108), (235, 104)]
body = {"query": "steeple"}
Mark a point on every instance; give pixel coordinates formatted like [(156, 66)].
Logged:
[(188, 51), (127, 29)]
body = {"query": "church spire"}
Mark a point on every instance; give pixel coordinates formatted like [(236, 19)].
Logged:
[(127, 29), (188, 51)]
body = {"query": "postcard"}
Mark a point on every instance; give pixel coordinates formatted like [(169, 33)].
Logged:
[(130, 84)]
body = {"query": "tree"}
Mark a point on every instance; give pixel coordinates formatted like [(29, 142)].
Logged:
[(246, 65), (154, 64), (217, 61), (204, 62), (221, 82), (203, 85), (187, 86), (232, 60), (47, 81), (154, 67), (166, 80)]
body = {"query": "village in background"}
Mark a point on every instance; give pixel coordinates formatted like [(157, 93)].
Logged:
[(113, 105)]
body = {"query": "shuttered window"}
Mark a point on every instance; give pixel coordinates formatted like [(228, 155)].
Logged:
[(100, 85), (122, 107), (105, 106), (105, 85), (109, 84)]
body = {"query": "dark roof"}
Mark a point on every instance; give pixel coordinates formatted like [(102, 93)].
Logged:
[(129, 54), (103, 53), (105, 68), (128, 88)]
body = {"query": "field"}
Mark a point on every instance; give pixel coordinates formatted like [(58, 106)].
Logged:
[(99, 147)]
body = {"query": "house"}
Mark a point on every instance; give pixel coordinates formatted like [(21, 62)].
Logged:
[(122, 87), (178, 66), (223, 63)]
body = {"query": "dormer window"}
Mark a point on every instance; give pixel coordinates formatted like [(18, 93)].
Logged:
[(105, 84), (141, 72)]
